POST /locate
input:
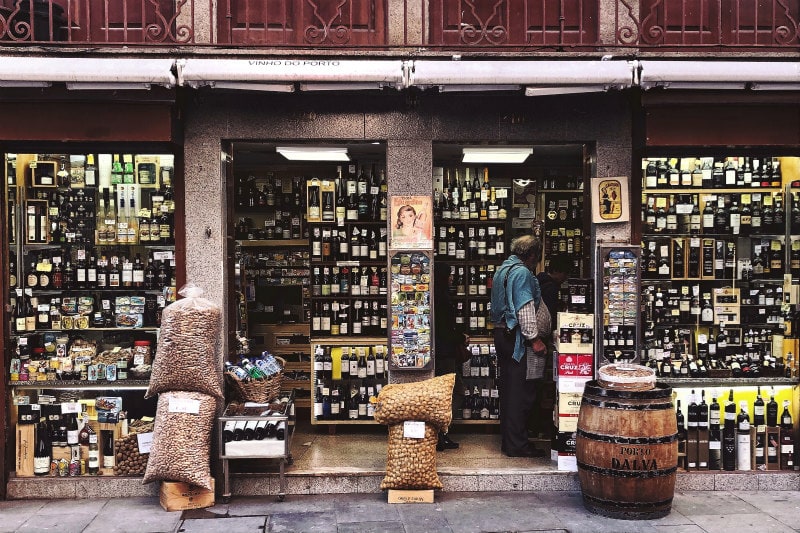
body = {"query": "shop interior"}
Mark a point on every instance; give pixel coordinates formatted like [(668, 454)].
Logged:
[(278, 301)]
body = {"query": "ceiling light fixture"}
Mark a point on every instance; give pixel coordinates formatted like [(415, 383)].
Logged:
[(313, 153), (496, 154)]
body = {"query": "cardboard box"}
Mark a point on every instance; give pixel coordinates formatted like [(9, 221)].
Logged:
[(567, 462), (566, 441), (176, 496), (570, 384), (702, 448), (410, 496), (25, 437), (570, 324), (569, 406), (576, 365), (773, 445), (691, 449)]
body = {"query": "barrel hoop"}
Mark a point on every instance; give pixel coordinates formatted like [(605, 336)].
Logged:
[(628, 473), (615, 439), (627, 406), (627, 505), (659, 391)]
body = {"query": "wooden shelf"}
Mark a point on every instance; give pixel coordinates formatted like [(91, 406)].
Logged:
[(316, 422), (349, 340), (728, 382), (471, 422), (704, 190), (277, 243), (82, 384)]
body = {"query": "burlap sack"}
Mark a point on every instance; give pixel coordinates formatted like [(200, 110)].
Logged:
[(429, 401), (187, 352), (411, 463), (181, 445)]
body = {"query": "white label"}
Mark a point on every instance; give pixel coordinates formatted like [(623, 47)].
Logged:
[(714, 445), (183, 405), (144, 441), (70, 407), (414, 429)]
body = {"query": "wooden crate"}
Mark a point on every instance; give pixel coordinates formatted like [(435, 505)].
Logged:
[(177, 496), (26, 442)]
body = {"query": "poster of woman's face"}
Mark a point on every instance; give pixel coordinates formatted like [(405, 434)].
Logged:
[(411, 223)]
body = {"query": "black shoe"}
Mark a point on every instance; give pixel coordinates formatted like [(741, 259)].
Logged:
[(530, 452), (445, 443)]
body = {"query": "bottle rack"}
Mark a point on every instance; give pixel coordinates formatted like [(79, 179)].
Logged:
[(717, 252), (481, 396)]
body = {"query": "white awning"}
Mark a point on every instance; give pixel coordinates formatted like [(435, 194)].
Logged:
[(276, 74), (538, 77), (758, 75), (86, 73)]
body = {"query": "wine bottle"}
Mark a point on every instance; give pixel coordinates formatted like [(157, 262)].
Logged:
[(743, 438), (772, 412), (41, 453), (108, 449), (787, 438)]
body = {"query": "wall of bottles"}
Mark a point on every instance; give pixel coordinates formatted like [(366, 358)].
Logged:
[(746, 428), (479, 374), (719, 253), (346, 379), (92, 264)]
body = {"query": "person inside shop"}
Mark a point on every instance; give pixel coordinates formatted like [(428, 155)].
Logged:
[(515, 295), (407, 229), (450, 342), (550, 282)]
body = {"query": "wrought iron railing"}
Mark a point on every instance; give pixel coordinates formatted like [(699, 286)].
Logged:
[(491, 25)]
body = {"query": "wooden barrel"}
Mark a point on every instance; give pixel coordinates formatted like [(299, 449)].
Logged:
[(627, 451)]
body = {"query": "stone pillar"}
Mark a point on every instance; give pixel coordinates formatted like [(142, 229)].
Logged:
[(405, 26), (409, 171)]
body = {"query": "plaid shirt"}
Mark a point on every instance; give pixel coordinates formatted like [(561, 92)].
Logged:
[(527, 320)]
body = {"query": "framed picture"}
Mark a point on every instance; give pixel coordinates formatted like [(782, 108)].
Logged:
[(610, 200), (523, 192), (410, 219)]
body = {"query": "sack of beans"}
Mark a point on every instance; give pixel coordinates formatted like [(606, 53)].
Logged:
[(430, 401), (182, 439), (188, 346), (410, 461)]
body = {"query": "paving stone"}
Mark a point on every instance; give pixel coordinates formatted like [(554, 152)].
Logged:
[(691, 503), (63, 523), (371, 527), (301, 523), (724, 523), (142, 515), (238, 524)]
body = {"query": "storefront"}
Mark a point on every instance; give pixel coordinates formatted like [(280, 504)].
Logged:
[(93, 249), (720, 262)]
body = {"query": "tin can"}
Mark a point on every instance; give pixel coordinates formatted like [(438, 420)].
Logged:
[(74, 468), (54, 467), (83, 467), (63, 468)]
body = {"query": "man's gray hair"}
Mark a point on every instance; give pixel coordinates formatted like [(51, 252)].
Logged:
[(526, 246)]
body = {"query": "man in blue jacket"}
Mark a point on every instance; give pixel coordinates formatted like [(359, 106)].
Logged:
[(515, 295)]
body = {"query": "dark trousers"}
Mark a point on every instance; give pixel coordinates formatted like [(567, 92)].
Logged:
[(517, 395)]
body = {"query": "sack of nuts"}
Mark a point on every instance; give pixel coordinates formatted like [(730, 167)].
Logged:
[(188, 344), (130, 461), (182, 439), (411, 462), (430, 401)]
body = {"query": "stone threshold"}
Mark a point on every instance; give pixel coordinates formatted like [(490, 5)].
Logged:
[(348, 480)]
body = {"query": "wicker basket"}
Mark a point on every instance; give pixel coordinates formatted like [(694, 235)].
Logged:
[(257, 390)]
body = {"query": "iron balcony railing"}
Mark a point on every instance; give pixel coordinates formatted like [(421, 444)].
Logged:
[(458, 25)]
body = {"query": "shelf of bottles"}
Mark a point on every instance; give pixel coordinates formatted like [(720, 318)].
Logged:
[(719, 256), (348, 240), (347, 376), (92, 265), (481, 395), (564, 224), (736, 428)]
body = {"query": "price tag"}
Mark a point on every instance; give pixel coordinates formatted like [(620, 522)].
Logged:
[(661, 201), (182, 405), (414, 429), (144, 441), (70, 407)]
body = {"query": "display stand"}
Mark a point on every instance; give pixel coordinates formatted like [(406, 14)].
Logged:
[(267, 448)]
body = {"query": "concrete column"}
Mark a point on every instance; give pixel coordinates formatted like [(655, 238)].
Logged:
[(405, 22), (409, 171)]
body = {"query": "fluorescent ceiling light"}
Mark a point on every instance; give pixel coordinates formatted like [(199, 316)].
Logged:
[(341, 86), (101, 86), (474, 88), (775, 86), (546, 91), (12, 83), (713, 86), (313, 153), (252, 86), (496, 154)]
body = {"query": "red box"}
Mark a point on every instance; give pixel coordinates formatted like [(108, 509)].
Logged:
[(576, 365)]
